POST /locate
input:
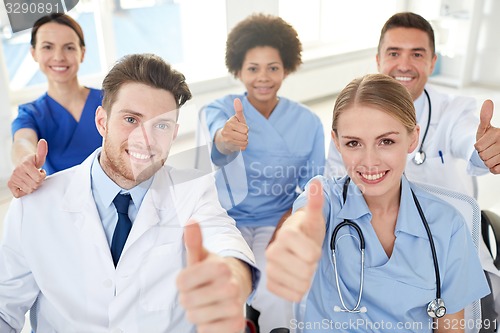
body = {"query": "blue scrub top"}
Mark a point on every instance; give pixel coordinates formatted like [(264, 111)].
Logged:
[(69, 141), (397, 289), (284, 151)]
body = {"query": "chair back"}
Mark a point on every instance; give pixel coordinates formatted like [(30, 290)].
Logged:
[(469, 209)]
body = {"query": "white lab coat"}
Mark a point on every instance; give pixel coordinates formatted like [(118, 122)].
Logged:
[(54, 247), (452, 131)]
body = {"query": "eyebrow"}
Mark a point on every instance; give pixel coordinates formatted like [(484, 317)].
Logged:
[(377, 138), (421, 49), (140, 115), (134, 113), (50, 43), (271, 63)]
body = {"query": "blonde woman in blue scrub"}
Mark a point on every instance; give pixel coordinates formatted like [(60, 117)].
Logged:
[(374, 128), (276, 144)]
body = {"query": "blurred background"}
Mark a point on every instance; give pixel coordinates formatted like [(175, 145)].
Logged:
[(339, 39)]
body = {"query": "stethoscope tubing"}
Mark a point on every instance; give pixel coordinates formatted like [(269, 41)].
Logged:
[(358, 230), (419, 157)]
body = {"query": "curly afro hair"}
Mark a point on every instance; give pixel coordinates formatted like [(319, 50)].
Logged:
[(263, 30)]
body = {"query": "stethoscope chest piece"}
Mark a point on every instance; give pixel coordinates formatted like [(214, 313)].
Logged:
[(419, 157), (436, 308)]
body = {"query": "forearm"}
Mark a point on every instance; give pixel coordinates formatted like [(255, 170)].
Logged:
[(242, 274), (20, 149), (24, 144)]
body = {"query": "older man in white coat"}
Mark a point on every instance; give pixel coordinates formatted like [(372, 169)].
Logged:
[(56, 259), (454, 144)]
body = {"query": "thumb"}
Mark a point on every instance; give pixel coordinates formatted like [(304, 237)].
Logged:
[(238, 110), (194, 243), (314, 219), (485, 118), (41, 152)]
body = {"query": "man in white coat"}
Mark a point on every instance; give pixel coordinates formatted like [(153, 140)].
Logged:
[(171, 275), (454, 144)]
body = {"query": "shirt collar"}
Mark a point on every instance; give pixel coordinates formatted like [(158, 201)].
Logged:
[(355, 205), (107, 189), (409, 220)]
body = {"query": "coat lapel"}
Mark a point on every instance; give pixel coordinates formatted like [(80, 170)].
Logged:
[(79, 203), (157, 209)]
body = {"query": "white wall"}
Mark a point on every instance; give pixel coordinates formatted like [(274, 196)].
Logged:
[(5, 138), (486, 60)]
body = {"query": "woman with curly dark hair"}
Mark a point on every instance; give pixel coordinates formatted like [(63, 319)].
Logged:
[(267, 146)]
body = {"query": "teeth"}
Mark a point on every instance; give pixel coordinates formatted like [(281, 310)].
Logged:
[(403, 78), (373, 177), (139, 155), (60, 69)]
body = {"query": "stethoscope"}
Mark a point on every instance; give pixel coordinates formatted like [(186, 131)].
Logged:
[(435, 308), (419, 157)]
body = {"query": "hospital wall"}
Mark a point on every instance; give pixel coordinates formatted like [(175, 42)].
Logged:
[(318, 77), (486, 62)]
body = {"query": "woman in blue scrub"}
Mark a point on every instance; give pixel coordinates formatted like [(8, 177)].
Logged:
[(374, 127), (267, 146), (63, 117)]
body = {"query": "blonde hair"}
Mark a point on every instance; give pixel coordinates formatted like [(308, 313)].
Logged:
[(381, 92)]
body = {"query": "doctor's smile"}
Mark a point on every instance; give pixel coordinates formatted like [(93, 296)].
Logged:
[(373, 178), (139, 156)]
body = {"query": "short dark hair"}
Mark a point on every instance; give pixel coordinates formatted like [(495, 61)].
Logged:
[(263, 30), (59, 18), (148, 69), (408, 20)]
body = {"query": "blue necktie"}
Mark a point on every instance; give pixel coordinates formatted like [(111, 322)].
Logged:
[(123, 226)]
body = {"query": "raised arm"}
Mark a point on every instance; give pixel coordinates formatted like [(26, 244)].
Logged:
[(293, 256)]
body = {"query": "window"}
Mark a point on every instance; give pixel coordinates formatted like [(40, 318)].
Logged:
[(23, 71), (179, 31), (335, 27)]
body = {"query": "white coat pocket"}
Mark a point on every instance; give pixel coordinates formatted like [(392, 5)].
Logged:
[(158, 291)]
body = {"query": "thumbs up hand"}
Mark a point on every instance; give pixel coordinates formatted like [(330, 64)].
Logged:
[(234, 135), (293, 257), (194, 244), (27, 175), (209, 289), (488, 139)]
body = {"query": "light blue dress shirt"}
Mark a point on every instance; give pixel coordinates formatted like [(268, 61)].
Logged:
[(105, 190), (397, 289)]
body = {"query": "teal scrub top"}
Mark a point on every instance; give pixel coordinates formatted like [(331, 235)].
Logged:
[(284, 151)]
